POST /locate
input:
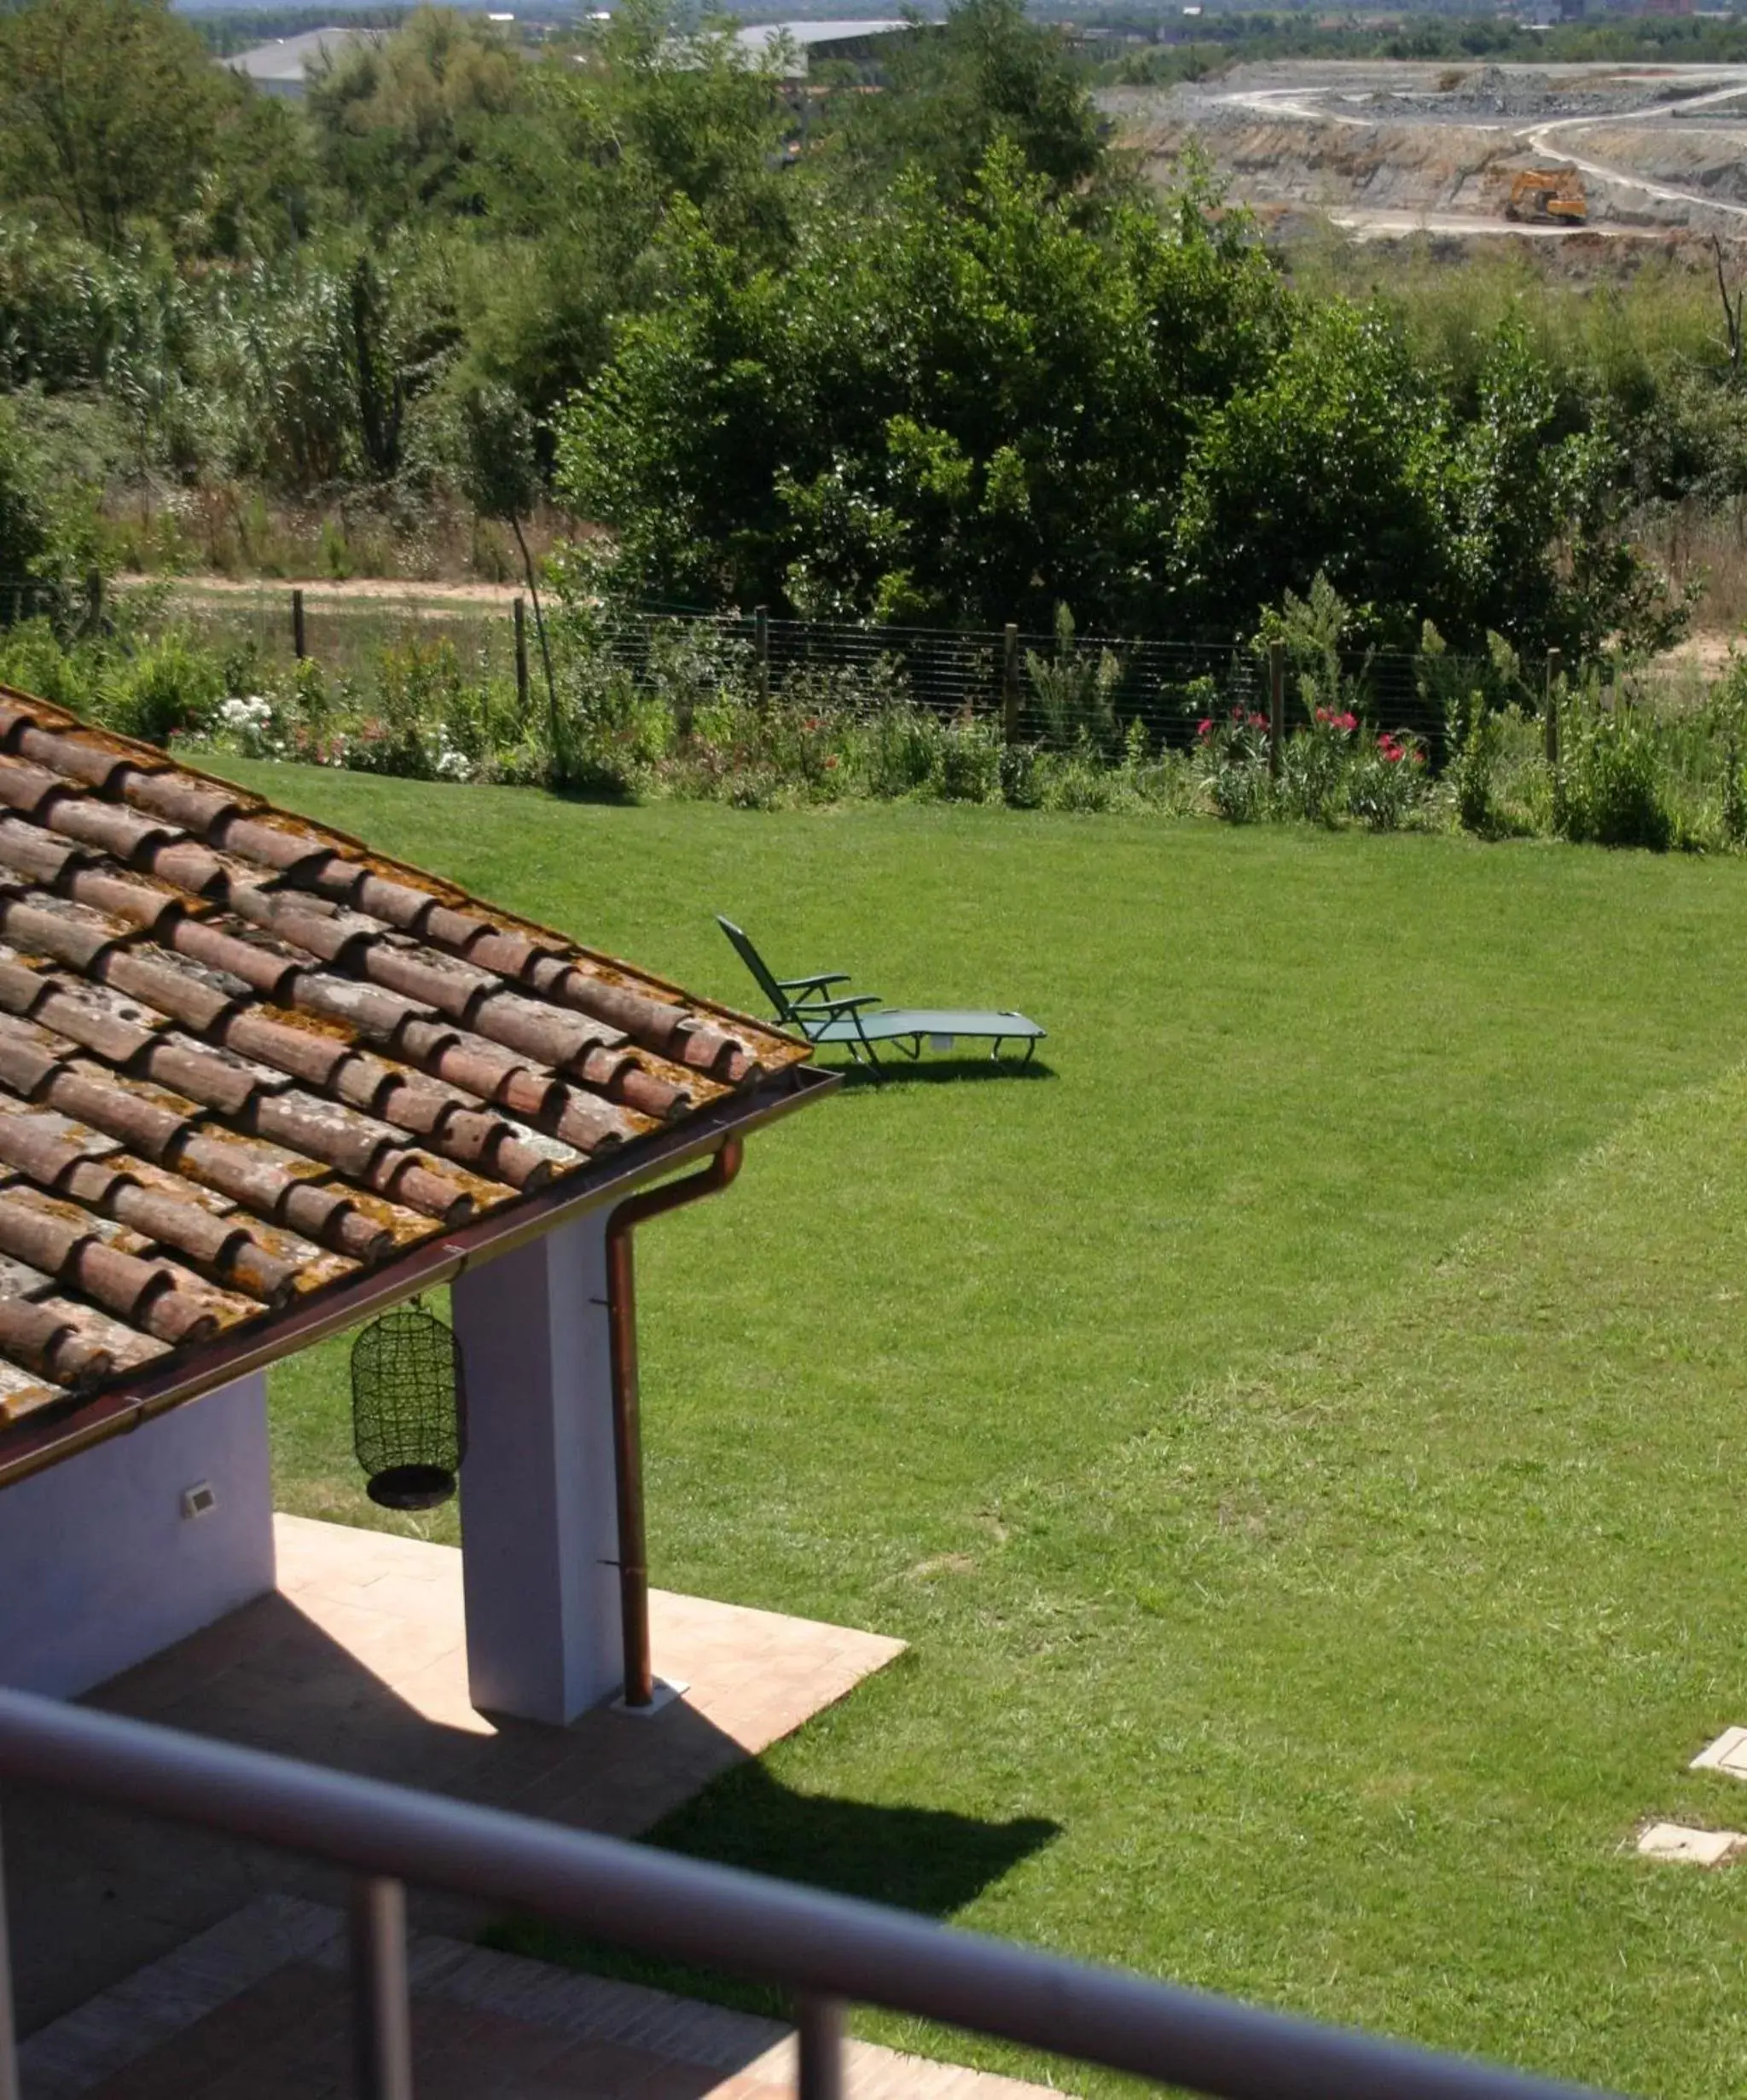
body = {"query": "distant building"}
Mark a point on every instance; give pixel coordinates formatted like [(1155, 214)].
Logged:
[(283, 65), (850, 43)]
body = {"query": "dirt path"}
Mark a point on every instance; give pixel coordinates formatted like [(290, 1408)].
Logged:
[(356, 591), (1664, 193)]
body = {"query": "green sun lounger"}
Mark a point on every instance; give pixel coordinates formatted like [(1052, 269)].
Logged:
[(856, 1024)]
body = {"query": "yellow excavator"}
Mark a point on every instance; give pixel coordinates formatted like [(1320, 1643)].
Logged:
[(1549, 193)]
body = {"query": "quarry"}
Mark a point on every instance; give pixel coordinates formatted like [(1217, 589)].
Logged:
[(1578, 154)]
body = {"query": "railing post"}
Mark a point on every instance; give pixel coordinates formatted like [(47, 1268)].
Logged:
[(819, 2032), (761, 647), (520, 612), (382, 2016), (8, 2030), (1555, 668), (1010, 684), (1276, 706), (297, 648)]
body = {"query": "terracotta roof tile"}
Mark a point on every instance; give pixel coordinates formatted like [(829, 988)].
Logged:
[(182, 799), (92, 755), (31, 789), (243, 1059), (34, 852), (23, 1394), (128, 1349), (111, 828)]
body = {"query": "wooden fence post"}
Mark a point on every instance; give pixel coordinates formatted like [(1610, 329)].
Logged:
[(760, 647), (1276, 706), (1555, 671), (94, 600), (1010, 684), (299, 649), (519, 612)]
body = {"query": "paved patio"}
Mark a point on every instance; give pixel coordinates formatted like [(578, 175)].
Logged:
[(357, 1661), (256, 2009)]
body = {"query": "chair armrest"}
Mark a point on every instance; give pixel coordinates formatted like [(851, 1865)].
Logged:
[(834, 1007), (813, 988)]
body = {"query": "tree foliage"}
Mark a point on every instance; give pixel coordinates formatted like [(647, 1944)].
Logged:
[(918, 352), (112, 113)]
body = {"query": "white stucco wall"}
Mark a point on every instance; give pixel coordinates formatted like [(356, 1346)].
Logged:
[(99, 1567), (538, 1514)]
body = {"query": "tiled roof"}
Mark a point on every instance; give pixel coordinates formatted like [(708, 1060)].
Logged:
[(244, 1060)]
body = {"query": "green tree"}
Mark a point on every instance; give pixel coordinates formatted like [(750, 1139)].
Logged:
[(646, 117), (987, 73), (1541, 551), (409, 122), (500, 473), (110, 111), (42, 539), (1332, 465), (957, 411)]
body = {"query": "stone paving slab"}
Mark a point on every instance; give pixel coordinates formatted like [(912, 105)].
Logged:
[(257, 2009), (358, 1662), (1728, 1754), (1678, 1841)]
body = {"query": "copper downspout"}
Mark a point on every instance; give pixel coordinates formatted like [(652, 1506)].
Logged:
[(627, 1426)]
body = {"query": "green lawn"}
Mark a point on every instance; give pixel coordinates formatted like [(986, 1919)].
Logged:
[(1298, 1434)]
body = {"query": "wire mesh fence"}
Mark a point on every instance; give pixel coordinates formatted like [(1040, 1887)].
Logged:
[(74, 604), (1055, 690), (348, 634)]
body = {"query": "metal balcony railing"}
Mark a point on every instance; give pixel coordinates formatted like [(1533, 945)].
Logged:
[(826, 1951)]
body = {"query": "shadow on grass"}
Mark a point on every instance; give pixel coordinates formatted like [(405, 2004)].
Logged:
[(943, 1072), (930, 1860)]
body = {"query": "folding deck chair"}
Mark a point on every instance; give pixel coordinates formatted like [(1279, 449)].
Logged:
[(857, 1023)]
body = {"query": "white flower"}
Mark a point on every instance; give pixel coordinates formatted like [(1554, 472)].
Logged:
[(249, 718), (451, 764)]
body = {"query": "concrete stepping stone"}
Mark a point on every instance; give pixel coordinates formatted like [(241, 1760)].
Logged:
[(1675, 1841), (1728, 1754)]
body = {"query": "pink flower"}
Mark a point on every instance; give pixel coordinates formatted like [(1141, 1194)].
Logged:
[(1348, 722), (1205, 726), (1323, 715)]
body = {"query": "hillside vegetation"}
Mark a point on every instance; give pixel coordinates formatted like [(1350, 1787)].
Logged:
[(930, 353)]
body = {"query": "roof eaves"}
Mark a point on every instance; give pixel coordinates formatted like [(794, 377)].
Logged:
[(44, 1439)]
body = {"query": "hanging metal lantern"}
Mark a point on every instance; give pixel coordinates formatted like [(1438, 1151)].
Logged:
[(409, 1408)]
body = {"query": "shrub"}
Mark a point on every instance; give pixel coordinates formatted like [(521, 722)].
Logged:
[(1021, 788), (1073, 693), (1473, 739), (171, 687), (1387, 779), (970, 762), (1612, 788), (1075, 782), (1734, 804), (1232, 756), (901, 752), (1314, 765)]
